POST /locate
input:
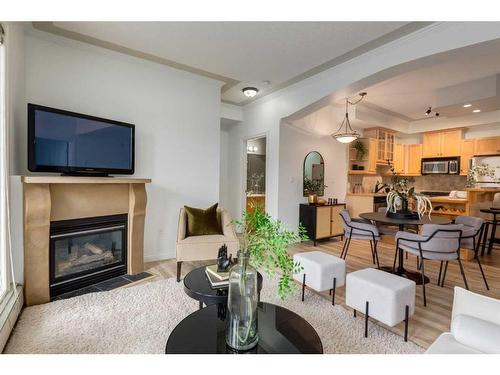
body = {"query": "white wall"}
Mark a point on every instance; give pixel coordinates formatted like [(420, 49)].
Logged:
[(177, 118), (294, 146)]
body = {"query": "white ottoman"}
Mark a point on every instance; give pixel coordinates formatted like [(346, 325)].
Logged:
[(386, 297), (320, 272)]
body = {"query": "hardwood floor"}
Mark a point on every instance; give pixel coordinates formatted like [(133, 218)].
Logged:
[(428, 322)]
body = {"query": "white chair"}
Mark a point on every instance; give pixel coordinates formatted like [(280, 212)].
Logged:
[(359, 229), (381, 295), (475, 326), (320, 271)]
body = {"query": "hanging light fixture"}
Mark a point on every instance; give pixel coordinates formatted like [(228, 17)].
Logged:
[(250, 92), (348, 135)]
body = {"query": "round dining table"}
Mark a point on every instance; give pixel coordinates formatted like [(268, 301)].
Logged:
[(380, 217)]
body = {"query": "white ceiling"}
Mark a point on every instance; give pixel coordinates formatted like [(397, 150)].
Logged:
[(410, 94), (243, 53)]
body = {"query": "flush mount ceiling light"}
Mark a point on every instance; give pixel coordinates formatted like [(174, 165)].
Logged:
[(347, 134), (467, 105), (250, 92)]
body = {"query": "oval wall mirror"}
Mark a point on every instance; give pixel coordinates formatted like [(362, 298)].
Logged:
[(314, 174)]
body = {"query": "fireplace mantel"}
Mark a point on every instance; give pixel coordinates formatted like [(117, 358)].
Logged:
[(54, 198)]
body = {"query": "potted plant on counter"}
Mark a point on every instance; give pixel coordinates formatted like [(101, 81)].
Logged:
[(264, 245)]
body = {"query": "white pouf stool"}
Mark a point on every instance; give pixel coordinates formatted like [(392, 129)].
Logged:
[(386, 297), (320, 272)]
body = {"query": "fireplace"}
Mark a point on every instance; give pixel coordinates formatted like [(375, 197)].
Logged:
[(86, 251)]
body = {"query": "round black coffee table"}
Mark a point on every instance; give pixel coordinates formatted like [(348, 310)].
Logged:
[(402, 223), (197, 286), (281, 331)]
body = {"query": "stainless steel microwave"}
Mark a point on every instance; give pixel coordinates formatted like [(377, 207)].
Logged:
[(449, 165)]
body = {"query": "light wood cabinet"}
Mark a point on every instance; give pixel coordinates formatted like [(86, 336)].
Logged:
[(466, 153), (414, 158), (399, 158), (385, 143), (369, 161), (487, 146), (372, 155), (321, 221), (441, 144)]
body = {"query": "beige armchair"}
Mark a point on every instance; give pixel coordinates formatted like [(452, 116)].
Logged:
[(194, 248)]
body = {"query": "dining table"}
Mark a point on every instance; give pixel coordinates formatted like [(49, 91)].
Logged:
[(403, 224)]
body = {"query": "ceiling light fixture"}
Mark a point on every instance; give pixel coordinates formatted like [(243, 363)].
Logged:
[(467, 105), (429, 111), (476, 110), (250, 92), (348, 135)]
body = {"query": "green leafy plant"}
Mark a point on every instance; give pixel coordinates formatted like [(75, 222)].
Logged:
[(477, 171), (361, 150), (266, 241), (401, 191), (314, 186)]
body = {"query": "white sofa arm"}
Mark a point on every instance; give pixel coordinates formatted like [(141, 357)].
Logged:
[(476, 333)]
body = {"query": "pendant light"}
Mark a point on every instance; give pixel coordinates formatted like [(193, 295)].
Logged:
[(348, 134)]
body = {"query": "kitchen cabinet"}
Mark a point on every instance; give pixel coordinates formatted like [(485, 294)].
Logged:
[(321, 221), (414, 157), (399, 158), (466, 153), (487, 146), (441, 144), (369, 161), (385, 143)]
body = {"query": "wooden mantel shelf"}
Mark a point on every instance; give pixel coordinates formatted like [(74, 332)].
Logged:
[(82, 180)]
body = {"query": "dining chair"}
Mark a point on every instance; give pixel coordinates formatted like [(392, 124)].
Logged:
[(435, 242), (359, 229), (471, 236)]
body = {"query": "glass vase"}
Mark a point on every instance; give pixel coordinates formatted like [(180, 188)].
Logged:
[(241, 333)]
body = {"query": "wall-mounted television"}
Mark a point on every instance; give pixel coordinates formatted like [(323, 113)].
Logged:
[(77, 144)]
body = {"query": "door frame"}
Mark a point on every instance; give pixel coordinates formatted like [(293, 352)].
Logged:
[(243, 194)]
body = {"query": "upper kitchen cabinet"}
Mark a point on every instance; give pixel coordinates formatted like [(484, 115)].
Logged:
[(399, 158), (441, 144), (363, 160), (487, 146), (385, 143), (466, 153), (414, 152)]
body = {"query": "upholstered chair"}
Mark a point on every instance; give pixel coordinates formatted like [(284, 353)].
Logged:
[(196, 248), (471, 236), (359, 229), (435, 242)]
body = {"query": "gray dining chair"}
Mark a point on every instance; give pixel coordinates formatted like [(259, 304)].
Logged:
[(471, 236), (435, 242), (359, 229)]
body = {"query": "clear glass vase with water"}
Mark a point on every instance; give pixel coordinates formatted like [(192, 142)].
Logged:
[(241, 333)]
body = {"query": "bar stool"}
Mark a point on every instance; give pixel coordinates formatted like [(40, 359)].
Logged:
[(493, 223)]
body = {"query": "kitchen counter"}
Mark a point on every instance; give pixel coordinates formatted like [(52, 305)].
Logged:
[(447, 199), (366, 194)]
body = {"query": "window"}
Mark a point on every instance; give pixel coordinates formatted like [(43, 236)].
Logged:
[(4, 238)]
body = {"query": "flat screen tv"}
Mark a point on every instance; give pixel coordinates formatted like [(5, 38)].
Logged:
[(76, 144)]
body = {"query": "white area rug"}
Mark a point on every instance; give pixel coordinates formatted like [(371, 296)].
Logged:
[(139, 319)]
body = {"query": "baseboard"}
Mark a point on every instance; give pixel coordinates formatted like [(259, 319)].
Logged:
[(10, 313)]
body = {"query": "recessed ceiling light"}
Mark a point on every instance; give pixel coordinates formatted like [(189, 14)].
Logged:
[(476, 111), (266, 82), (467, 105), (250, 92)]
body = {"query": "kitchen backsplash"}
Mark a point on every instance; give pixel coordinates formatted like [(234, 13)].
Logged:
[(422, 183)]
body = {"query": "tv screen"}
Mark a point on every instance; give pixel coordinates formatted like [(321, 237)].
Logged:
[(72, 143)]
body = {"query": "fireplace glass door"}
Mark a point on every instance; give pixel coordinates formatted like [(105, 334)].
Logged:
[(86, 251)]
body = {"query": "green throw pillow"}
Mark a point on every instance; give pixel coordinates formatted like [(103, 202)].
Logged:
[(202, 222)]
